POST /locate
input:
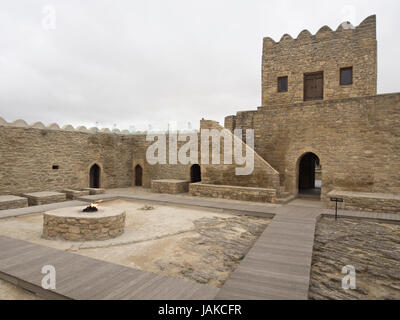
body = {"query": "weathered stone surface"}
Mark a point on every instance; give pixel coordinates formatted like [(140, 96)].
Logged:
[(75, 225), (170, 186), (373, 248), (214, 248), (93, 191), (233, 192), (44, 197), (364, 201), (327, 51), (74, 194), (12, 202)]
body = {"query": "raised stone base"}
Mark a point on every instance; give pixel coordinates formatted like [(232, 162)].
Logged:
[(74, 225), (12, 202), (233, 192), (170, 186), (363, 201), (74, 194), (45, 197), (93, 191)]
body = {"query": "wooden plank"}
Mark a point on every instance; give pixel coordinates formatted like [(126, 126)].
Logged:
[(80, 277)]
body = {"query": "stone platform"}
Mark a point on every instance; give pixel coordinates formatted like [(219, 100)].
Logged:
[(170, 186), (364, 201), (75, 194), (233, 192), (12, 202), (74, 225), (93, 191), (45, 197)]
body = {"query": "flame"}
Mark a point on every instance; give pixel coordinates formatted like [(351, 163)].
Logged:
[(96, 204)]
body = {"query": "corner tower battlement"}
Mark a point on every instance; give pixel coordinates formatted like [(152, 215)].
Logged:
[(328, 65)]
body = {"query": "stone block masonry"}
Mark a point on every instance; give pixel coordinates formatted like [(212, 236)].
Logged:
[(363, 201), (327, 51), (233, 192), (12, 202), (170, 186), (74, 194), (74, 225), (45, 197)]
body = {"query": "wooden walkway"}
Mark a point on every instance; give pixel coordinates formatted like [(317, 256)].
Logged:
[(279, 264), (80, 277)]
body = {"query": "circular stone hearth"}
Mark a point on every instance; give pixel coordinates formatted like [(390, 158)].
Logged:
[(75, 225)]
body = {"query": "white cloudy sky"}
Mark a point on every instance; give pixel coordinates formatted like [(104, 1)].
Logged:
[(135, 63)]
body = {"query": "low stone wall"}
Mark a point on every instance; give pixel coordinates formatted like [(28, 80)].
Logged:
[(170, 186), (74, 225), (94, 191), (12, 202), (233, 192), (45, 197), (363, 201), (74, 194)]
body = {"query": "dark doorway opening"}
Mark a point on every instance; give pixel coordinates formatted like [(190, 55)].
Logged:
[(138, 176), (195, 173), (310, 175), (95, 176)]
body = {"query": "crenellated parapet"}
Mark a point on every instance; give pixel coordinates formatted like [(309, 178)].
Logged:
[(54, 126), (326, 53), (345, 29)]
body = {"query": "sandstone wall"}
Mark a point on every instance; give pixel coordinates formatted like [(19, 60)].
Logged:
[(326, 51), (263, 175), (27, 156), (357, 141)]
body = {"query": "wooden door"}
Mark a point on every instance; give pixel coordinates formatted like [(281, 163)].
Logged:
[(314, 86)]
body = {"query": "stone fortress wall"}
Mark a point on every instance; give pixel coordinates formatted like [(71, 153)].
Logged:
[(28, 154), (357, 141), (326, 51)]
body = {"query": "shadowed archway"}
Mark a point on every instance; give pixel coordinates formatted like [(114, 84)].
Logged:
[(195, 173), (308, 184), (94, 174), (138, 176)]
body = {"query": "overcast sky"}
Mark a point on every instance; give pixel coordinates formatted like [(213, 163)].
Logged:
[(135, 63)]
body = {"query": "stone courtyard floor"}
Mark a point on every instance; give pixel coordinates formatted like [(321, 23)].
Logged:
[(198, 245), (372, 247), (200, 241)]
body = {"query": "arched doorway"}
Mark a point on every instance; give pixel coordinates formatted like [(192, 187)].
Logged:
[(138, 176), (94, 176), (195, 173), (309, 181)]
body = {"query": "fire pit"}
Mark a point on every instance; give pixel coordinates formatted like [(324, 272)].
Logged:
[(83, 223), (91, 208)]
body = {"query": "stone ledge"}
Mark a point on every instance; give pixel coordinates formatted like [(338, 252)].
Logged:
[(75, 194), (233, 192), (12, 202), (169, 186), (94, 191), (364, 201), (45, 197)]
